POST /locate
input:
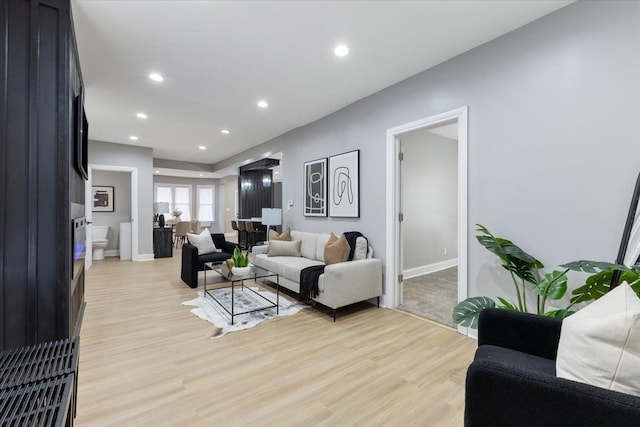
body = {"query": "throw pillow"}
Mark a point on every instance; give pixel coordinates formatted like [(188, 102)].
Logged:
[(336, 250), (361, 249), (203, 242), (600, 344), (273, 235), (280, 248), (285, 235)]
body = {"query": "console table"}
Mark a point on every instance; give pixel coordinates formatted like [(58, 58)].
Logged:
[(162, 242)]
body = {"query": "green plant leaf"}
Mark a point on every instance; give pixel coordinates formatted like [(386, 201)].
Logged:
[(559, 314), (593, 266), (553, 285), (466, 313), (595, 286), (507, 305)]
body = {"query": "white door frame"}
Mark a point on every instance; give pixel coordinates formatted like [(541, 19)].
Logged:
[(393, 264), (135, 256)]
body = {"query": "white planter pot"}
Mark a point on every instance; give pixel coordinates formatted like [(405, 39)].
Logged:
[(241, 271)]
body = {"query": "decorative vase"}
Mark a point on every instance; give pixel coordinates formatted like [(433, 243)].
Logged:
[(241, 271), (161, 220)]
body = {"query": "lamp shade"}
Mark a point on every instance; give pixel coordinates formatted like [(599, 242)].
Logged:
[(161, 207), (271, 216)]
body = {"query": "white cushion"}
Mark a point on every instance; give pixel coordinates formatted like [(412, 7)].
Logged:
[(600, 344), (361, 249), (309, 240), (292, 270), (203, 242), (274, 264), (320, 244)]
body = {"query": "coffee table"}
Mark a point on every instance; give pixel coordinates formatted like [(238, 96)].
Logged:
[(222, 270)]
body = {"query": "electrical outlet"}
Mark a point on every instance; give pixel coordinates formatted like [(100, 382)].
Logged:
[(445, 251)]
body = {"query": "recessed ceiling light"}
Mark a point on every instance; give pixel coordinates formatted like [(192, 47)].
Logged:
[(157, 171), (277, 172), (142, 116), (156, 77), (202, 147), (225, 131), (133, 138), (341, 50), (263, 104), (201, 174)]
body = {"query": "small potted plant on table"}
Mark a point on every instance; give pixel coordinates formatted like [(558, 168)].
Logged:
[(241, 265)]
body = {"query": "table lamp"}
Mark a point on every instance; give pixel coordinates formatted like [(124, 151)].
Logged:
[(271, 216)]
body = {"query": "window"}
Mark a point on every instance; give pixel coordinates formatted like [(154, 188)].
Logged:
[(178, 197), (206, 204)]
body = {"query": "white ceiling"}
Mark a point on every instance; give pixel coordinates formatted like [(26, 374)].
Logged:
[(219, 58)]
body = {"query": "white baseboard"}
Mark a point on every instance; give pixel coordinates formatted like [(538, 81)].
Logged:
[(113, 252), (145, 257), (431, 268)]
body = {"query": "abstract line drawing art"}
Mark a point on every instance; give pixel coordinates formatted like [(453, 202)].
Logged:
[(344, 185), (315, 188)]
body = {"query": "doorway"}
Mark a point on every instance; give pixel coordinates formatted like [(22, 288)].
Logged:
[(131, 174), (394, 286), (429, 197)]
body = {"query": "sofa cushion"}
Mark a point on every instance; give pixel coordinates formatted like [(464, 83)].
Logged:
[(274, 264), (336, 250), (203, 241), (281, 248), (320, 244), (361, 249), (213, 257), (292, 270), (600, 344), (309, 240)]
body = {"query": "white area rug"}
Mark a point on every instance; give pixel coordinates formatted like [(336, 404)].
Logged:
[(209, 310)]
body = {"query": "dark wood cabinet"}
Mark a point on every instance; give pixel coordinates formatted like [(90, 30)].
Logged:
[(40, 189), (162, 242)]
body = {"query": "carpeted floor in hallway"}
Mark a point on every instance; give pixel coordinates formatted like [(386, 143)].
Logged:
[(432, 296)]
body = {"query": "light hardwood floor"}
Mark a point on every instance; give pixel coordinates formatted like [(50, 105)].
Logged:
[(145, 360)]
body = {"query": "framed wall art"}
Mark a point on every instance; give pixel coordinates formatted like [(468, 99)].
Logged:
[(102, 199), (344, 185), (315, 188)]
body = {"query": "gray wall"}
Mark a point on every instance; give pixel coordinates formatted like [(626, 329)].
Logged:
[(553, 147), (121, 181), (194, 182), (105, 153), (429, 198)]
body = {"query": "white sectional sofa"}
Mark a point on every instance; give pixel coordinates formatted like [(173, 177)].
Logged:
[(341, 284)]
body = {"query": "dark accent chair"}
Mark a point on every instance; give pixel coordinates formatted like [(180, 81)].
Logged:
[(192, 262), (512, 381)]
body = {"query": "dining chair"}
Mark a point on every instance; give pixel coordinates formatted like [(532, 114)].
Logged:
[(242, 229), (182, 228)]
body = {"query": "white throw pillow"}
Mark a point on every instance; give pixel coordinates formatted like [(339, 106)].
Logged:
[(203, 242), (600, 344), (361, 249)]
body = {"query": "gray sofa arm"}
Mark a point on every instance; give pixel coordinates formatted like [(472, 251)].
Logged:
[(257, 250), (350, 282)]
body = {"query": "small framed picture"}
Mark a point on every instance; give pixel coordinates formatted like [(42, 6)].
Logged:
[(102, 199)]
